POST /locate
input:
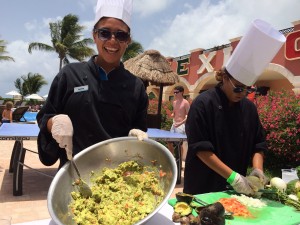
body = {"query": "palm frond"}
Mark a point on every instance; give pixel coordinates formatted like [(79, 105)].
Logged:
[(67, 40), (132, 50), (40, 46), (3, 51)]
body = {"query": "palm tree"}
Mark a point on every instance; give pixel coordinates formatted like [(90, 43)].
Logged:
[(30, 84), (132, 50), (3, 51), (65, 37)]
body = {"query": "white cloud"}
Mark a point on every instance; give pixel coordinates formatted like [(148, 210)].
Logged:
[(30, 25), (209, 25), (86, 4), (149, 7), (44, 63)]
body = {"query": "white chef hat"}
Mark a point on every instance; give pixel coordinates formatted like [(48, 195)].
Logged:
[(120, 9), (254, 52)]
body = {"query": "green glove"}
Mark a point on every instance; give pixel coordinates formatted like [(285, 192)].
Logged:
[(240, 184)]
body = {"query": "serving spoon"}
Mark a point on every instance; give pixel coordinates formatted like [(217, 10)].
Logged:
[(83, 187)]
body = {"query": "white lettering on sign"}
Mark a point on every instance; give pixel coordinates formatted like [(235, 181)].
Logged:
[(227, 54), (206, 62), (296, 44), (291, 49)]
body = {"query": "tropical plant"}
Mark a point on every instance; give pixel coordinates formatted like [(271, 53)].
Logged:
[(30, 84), (166, 111), (3, 51), (280, 115), (132, 50), (65, 38)]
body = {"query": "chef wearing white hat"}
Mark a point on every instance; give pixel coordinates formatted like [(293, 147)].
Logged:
[(93, 101), (112, 31), (224, 132)]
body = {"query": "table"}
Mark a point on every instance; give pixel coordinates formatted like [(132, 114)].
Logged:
[(176, 138), (18, 132), (23, 131), (163, 217)]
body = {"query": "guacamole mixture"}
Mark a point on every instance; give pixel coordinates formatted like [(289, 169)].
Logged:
[(121, 196)]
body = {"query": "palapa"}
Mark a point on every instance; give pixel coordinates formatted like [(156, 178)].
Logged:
[(14, 93), (153, 67)]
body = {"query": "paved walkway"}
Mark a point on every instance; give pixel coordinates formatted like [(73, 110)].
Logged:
[(32, 205)]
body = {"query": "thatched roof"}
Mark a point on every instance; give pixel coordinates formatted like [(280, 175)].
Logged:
[(153, 67)]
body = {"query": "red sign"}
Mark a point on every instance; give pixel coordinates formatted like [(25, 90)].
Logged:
[(292, 48)]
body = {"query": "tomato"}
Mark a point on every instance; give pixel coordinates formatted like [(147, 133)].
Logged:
[(234, 206)]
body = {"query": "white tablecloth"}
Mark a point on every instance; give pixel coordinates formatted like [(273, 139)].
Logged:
[(163, 217)]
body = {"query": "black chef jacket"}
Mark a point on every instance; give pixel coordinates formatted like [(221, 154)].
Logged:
[(233, 133), (98, 109)]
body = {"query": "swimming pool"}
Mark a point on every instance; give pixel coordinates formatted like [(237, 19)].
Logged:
[(30, 116)]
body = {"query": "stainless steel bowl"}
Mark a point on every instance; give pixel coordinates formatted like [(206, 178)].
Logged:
[(110, 154)]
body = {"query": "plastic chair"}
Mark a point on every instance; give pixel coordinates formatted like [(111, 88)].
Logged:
[(2, 107), (18, 113)]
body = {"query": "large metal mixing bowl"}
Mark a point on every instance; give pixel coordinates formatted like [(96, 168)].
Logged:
[(109, 154)]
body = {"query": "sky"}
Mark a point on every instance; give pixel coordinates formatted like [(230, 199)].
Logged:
[(173, 27)]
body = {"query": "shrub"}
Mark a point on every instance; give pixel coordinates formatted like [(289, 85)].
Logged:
[(166, 111), (280, 115)]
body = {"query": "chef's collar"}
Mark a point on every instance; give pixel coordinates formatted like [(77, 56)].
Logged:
[(102, 74)]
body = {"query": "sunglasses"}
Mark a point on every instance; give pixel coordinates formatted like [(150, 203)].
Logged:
[(176, 92), (105, 34), (239, 89)]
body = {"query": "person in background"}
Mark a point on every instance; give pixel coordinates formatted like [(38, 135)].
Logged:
[(251, 96), (93, 101), (7, 113), (180, 110), (224, 132)]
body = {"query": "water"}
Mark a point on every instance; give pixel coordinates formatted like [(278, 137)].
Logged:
[(30, 116)]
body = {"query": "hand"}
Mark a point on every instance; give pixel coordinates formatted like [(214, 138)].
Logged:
[(177, 125), (141, 135), (62, 132), (260, 174), (242, 185)]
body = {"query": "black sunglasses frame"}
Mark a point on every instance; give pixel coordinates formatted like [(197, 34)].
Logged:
[(105, 34), (237, 89)]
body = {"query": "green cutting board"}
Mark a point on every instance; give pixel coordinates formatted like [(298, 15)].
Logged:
[(274, 213)]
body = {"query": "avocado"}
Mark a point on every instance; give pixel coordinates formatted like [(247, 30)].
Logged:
[(182, 208), (183, 197), (257, 183)]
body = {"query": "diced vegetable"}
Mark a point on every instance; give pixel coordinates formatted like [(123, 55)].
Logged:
[(236, 207), (249, 201)]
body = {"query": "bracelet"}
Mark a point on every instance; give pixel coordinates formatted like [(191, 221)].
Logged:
[(231, 178)]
